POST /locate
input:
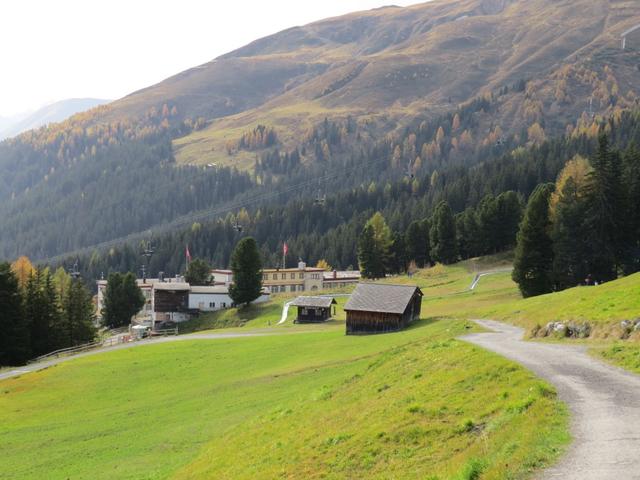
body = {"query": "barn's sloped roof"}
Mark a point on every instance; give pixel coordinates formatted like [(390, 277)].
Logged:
[(314, 302), (382, 298)]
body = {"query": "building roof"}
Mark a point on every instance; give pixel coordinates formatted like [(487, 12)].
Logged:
[(336, 276), (380, 297), (314, 302), (211, 290), (172, 286), (287, 270)]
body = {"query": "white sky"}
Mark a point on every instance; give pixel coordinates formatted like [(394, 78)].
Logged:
[(58, 49)]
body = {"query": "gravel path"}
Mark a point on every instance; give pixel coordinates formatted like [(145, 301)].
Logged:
[(604, 403)]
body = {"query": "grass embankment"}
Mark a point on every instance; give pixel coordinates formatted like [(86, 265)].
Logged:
[(416, 404), (261, 316), (497, 297)]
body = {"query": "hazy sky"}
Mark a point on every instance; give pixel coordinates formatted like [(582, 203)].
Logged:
[(53, 50)]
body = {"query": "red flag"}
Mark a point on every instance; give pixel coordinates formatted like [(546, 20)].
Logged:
[(188, 254), (285, 249)]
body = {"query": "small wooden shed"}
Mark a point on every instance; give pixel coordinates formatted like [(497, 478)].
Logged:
[(382, 308), (313, 309)]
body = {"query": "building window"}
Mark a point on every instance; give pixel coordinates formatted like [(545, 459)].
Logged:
[(284, 276), (301, 276), (275, 276), (224, 305), (212, 304), (293, 276)]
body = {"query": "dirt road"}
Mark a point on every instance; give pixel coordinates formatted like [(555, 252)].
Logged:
[(604, 403)]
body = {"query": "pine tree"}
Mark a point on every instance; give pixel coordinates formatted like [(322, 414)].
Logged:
[(488, 224), (122, 300), (443, 235), (533, 264), (247, 272), (369, 261), (602, 193), (416, 243), (570, 263), (509, 206), (632, 176), (198, 272), (398, 255), (77, 325), (15, 347), (42, 312), (383, 239)]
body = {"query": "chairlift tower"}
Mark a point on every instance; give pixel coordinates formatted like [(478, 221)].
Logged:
[(75, 273), (147, 253)]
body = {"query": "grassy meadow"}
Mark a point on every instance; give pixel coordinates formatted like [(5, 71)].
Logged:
[(416, 404), (317, 404)]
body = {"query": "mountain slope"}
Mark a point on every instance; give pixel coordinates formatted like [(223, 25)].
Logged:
[(55, 112), (393, 63), (427, 87)]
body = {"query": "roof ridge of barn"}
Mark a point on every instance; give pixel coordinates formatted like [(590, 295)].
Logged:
[(386, 298)]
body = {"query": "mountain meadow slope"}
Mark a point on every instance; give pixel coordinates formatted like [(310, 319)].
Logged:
[(304, 405)]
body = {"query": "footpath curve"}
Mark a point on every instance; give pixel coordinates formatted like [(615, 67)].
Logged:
[(604, 402)]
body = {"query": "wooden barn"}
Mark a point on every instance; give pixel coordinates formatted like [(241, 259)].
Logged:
[(313, 309), (382, 308), (170, 302)]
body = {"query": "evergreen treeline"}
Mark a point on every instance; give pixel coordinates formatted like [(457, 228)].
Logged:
[(330, 231), (41, 312), (124, 188), (589, 232)]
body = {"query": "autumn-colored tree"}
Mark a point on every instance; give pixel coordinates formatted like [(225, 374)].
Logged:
[(322, 263), (23, 270), (536, 134), (577, 169), (455, 125)]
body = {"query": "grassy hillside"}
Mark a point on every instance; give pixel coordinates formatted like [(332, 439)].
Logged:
[(604, 305), (390, 65), (317, 405)]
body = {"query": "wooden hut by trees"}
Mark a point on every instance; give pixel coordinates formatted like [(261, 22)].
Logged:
[(381, 308), (313, 309)]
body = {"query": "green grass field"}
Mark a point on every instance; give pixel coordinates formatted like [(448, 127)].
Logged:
[(416, 404), (310, 402)]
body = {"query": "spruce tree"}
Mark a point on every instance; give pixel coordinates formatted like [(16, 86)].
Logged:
[(77, 321), (398, 254), (509, 206), (632, 187), (198, 272), (368, 260), (533, 264), (42, 312), (15, 347), (417, 243), (122, 300), (443, 235), (383, 238), (570, 237), (602, 218), (488, 224), (246, 266)]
